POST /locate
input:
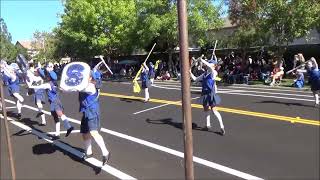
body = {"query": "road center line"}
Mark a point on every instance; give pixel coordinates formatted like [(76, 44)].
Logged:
[(223, 109), (163, 149)]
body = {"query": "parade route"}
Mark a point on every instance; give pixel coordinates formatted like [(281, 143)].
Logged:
[(270, 133)]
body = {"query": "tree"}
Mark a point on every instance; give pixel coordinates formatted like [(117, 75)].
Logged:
[(157, 22), (282, 20), (93, 27), (7, 50), (47, 45)]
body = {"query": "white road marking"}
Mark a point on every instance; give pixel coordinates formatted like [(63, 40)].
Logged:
[(109, 169), (64, 132), (276, 97), (243, 94), (246, 87), (156, 107), (165, 149), (12, 107), (232, 89), (150, 109)]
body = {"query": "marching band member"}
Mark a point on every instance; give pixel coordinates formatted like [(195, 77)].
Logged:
[(145, 82), (35, 77), (13, 86), (151, 72), (314, 74), (209, 96), (56, 107), (90, 123)]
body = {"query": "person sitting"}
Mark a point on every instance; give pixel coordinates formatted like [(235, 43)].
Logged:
[(276, 74), (166, 76), (299, 81)]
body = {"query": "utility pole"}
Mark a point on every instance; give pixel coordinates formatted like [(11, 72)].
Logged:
[(185, 85)]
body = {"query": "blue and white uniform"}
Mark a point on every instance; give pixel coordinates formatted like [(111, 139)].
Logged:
[(89, 106), (314, 78), (56, 107), (208, 93), (209, 97), (13, 86), (145, 79), (90, 123)]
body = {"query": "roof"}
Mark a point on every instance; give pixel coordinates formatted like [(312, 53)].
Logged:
[(28, 45), (227, 23)]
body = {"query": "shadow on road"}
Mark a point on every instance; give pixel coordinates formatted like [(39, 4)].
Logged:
[(179, 125), (285, 103), (48, 148), (129, 100)]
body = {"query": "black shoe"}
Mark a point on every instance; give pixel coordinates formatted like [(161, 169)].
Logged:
[(55, 138), (86, 156), (206, 128), (19, 116), (105, 159), (39, 114), (69, 131), (223, 132)]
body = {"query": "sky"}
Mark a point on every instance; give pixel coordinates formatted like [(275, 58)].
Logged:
[(24, 17)]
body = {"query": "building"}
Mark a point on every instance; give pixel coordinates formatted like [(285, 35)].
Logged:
[(31, 48)]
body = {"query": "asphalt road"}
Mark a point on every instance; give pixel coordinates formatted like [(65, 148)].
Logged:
[(264, 138)]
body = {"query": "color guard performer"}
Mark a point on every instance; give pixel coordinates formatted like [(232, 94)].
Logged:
[(209, 96), (90, 123), (56, 107)]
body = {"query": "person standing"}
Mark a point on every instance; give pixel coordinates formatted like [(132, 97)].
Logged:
[(209, 97), (90, 123), (145, 81)]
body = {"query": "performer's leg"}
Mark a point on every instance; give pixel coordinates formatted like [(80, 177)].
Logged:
[(57, 122), (87, 143), (43, 117), (146, 94), (207, 113), (218, 115), (99, 140), (19, 103), (65, 121), (316, 96)]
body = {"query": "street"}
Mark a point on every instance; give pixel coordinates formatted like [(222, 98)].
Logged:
[(271, 133)]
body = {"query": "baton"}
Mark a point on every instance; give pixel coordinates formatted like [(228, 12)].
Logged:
[(106, 64)]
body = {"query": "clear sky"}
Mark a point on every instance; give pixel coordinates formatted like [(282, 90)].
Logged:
[(24, 17)]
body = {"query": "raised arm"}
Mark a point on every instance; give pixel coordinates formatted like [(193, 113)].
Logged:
[(207, 64), (194, 78), (42, 86), (145, 66), (315, 63)]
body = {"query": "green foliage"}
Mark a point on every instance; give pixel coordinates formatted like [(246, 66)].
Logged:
[(281, 20), (47, 43), (92, 27), (158, 22), (7, 50)]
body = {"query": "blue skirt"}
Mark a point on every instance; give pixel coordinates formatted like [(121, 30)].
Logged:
[(39, 95), (56, 105), (211, 99), (315, 85), (146, 84), (13, 89)]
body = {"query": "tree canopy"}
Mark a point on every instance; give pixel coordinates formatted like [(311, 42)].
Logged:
[(281, 21), (92, 27), (7, 50)]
